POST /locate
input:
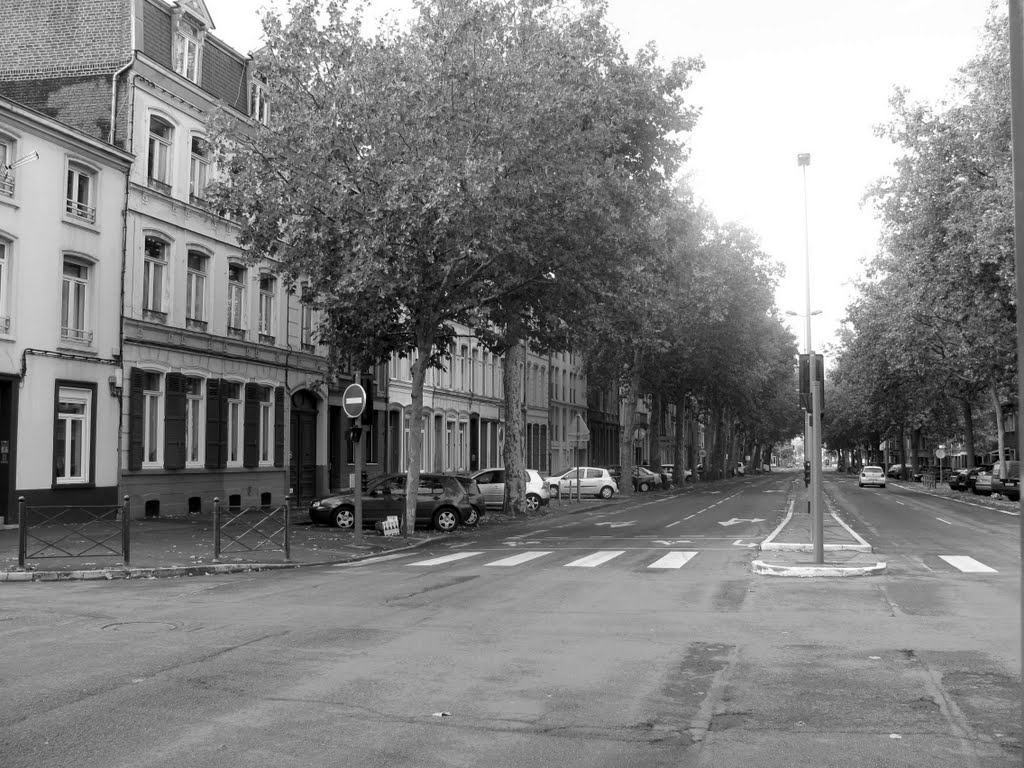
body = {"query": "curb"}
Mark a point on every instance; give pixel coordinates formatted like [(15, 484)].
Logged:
[(806, 571)]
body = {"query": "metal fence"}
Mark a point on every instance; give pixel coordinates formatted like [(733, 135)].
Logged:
[(63, 531), (251, 529)]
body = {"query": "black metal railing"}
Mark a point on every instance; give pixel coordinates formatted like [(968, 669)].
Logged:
[(62, 531), (251, 529)]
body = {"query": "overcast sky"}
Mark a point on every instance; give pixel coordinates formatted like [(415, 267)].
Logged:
[(781, 78)]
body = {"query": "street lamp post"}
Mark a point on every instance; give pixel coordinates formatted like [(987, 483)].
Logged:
[(814, 417)]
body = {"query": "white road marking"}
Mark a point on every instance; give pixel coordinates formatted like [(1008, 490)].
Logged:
[(943, 521), (625, 524), (673, 560), (736, 520), (677, 522), (967, 564), (598, 558), (737, 543), (446, 558), (900, 503), (687, 518), (525, 557)]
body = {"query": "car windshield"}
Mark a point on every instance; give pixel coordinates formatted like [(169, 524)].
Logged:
[(872, 469), (565, 471)]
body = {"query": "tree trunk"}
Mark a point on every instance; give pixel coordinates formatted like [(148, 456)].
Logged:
[(968, 431), (628, 426), (424, 346), (1000, 433), (514, 449)]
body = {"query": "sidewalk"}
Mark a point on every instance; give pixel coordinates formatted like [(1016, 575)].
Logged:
[(788, 550), (185, 547)]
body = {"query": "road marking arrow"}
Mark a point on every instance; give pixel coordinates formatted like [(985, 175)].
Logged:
[(736, 520), (618, 525), (673, 543)]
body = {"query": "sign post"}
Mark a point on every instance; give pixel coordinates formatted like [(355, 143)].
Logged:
[(940, 454), (353, 401), (580, 434), (696, 475)]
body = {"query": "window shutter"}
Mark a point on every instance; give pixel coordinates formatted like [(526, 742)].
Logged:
[(251, 427), (136, 419), (279, 427), (216, 425), (174, 421)]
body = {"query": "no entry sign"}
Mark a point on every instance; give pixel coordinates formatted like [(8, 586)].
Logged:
[(353, 401)]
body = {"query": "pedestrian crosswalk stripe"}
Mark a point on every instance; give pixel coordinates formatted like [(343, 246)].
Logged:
[(447, 558), (598, 558), (523, 557), (673, 560), (967, 564)]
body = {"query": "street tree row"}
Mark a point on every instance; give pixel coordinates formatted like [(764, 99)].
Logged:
[(929, 344), (505, 166)]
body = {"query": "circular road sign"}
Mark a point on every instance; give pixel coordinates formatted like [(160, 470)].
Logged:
[(353, 401), (702, 453), (940, 453)]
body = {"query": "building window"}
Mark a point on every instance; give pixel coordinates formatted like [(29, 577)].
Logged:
[(234, 422), (306, 319), (6, 174), (80, 201), (154, 264), (161, 136), (199, 170), (259, 104), (72, 435), (74, 300), (195, 289), (5, 278), (268, 287), (187, 43), (236, 299), (195, 418), (152, 418), (266, 438)]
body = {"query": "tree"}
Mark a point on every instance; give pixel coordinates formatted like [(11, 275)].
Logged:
[(441, 175)]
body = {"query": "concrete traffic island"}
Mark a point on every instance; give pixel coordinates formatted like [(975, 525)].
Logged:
[(789, 547)]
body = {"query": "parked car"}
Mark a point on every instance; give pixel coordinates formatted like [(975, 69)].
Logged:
[(665, 473), (643, 479), (895, 471), (1010, 485), (441, 503), (492, 485), (591, 481), (982, 485), (476, 499), (872, 475), (970, 476), (953, 479)]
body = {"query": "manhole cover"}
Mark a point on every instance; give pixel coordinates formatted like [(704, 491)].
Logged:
[(141, 626)]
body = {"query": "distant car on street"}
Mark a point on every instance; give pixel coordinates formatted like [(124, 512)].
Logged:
[(982, 485), (872, 475), (644, 480)]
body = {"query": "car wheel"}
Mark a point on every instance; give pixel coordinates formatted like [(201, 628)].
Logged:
[(343, 517), (472, 518), (644, 487), (532, 502), (860, 485), (606, 492), (446, 519)]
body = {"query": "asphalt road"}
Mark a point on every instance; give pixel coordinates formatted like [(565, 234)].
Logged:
[(623, 635)]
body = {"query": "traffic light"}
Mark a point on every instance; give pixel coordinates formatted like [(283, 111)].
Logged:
[(807, 473), (367, 383), (805, 381)]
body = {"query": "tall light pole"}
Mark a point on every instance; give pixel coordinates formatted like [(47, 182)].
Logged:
[(803, 160)]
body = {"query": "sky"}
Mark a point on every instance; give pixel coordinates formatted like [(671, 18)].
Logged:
[(780, 78)]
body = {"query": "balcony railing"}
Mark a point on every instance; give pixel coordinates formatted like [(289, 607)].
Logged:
[(159, 186), (7, 186), (266, 338), (79, 335), (236, 333), (81, 211), (195, 325)]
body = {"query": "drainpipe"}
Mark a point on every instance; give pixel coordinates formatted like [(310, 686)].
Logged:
[(112, 135)]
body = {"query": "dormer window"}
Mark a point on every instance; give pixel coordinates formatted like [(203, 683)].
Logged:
[(187, 48), (259, 104)]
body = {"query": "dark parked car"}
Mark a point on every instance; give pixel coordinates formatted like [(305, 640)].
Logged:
[(441, 502), (1010, 486), (477, 502), (643, 479), (966, 477)]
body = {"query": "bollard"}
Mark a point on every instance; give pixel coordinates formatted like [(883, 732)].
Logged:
[(126, 544), (216, 529)]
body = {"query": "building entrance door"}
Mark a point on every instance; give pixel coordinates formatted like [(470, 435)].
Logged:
[(8, 430), (302, 469)]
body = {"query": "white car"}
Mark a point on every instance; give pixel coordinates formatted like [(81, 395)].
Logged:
[(590, 481), (492, 485), (872, 476)]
